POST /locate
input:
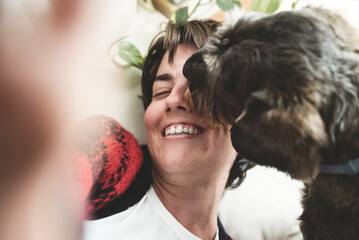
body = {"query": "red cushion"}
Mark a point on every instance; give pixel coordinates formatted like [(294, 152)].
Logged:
[(107, 158)]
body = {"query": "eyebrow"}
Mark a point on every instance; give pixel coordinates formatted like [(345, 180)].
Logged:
[(164, 77)]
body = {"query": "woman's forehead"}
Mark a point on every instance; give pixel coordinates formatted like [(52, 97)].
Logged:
[(183, 52)]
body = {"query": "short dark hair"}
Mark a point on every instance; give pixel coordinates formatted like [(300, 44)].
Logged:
[(195, 32)]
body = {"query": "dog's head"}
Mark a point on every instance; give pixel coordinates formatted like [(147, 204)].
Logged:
[(276, 80)]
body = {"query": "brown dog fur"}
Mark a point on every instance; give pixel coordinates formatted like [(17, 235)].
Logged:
[(289, 84)]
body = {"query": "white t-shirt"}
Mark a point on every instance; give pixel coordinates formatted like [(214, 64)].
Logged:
[(148, 219)]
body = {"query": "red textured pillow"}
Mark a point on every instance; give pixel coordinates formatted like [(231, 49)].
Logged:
[(107, 158)]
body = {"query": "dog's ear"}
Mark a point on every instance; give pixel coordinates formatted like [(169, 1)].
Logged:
[(287, 138)]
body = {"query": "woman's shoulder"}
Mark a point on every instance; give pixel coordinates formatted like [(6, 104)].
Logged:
[(113, 169)]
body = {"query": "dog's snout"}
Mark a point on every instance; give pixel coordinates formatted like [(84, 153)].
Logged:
[(195, 70), (187, 69)]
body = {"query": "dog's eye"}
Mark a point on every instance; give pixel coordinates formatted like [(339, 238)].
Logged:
[(162, 94)]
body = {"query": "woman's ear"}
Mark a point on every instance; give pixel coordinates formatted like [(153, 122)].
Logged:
[(288, 139)]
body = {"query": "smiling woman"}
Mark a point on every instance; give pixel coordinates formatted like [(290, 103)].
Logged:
[(197, 152), (187, 164), (162, 74)]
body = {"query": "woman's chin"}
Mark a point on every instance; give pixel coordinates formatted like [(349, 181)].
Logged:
[(179, 160)]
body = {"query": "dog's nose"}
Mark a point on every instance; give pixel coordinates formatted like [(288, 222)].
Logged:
[(195, 70)]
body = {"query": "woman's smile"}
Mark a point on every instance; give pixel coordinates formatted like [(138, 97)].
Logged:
[(182, 129)]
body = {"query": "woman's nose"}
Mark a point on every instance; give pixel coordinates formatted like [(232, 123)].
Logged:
[(175, 101)]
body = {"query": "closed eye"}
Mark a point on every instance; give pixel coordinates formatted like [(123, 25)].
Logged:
[(161, 94)]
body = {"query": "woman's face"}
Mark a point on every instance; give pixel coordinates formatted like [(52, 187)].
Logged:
[(178, 139)]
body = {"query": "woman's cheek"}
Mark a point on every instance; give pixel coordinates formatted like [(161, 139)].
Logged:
[(152, 117)]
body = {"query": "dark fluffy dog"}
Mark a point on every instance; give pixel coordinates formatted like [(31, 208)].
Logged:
[(289, 84)]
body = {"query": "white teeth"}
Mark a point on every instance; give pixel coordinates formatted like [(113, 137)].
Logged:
[(179, 129), (172, 130), (185, 130), (190, 130)]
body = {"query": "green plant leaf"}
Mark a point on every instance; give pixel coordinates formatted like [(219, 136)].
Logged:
[(227, 5), (130, 54), (181, 15), (294, 4), (265, 6)]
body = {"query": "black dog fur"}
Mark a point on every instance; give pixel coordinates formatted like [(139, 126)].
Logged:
[(289, 85)]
